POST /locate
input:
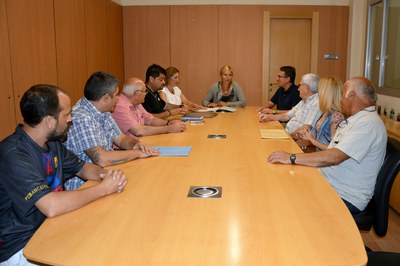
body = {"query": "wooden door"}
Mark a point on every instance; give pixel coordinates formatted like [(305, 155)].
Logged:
[(289, 39)]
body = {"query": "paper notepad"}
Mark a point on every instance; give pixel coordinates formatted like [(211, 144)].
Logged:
[(174, 150), (274, 134)]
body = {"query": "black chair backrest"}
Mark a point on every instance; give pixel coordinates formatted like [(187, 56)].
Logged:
[(384, 182)]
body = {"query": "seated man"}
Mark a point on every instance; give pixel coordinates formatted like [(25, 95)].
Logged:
[(155, 81), (134, 120), (34, 165), (94, 131), (306, 113), (356, 152), (287, 96)]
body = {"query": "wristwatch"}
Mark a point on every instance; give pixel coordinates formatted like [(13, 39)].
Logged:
[(273, 111), (293, 158)]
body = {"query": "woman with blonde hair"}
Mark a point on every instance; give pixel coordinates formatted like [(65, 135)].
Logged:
[(225, 92), (172, 94), (330, 94)]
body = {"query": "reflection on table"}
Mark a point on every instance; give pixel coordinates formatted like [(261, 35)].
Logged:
[(267, 214)]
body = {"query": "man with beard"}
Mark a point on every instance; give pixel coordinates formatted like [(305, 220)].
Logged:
[(155, 81), (34, 165), (94, 131)]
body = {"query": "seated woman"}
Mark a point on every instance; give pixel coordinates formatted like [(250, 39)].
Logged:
[(172, 94), (330, 94), (225, 92)]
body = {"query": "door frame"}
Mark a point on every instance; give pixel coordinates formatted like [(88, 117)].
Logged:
[(268, 15)]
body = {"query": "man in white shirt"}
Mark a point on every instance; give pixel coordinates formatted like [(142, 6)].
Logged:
[(306, 113), (355, 154)]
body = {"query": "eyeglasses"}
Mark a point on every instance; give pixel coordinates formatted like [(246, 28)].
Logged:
[(281, 77), (301, 84), (145, 91), (176, 77)]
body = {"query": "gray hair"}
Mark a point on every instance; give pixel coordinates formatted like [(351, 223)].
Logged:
[(132, 85), (312, 81), (364, 87)]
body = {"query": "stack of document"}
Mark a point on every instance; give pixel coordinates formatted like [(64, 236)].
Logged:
[(192, 118), (218, 109), (274, 134)]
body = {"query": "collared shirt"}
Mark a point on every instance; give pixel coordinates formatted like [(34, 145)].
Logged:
[(306, 112), (363, 138), (127, 115), (285, 100), (153, 102), (90, 128)]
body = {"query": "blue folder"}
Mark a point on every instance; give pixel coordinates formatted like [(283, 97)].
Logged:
[(174, 150)]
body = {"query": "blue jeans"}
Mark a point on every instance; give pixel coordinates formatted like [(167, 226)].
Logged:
[(351, 207)]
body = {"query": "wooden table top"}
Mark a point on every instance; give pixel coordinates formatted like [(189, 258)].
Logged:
[(268, 214)]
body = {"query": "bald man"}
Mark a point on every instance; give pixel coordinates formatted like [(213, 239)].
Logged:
[(134, 120), (356, 152)]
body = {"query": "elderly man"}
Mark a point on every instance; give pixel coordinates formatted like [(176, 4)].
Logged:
[(155, 81), (134, 120), (356, 152), (287, 96), (306, 113), (94, 131), (34, 165)]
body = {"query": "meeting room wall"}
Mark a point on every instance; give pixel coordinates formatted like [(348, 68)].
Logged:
[(59, 42), (199, 39)]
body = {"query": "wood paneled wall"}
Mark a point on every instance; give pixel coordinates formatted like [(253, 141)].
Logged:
[(194, 45), (7, 113), (198, 40), (146, 38), (60, 42)]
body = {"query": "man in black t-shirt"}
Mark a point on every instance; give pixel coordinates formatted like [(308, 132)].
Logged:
[(33, 167), (287, 95), (155, 80)]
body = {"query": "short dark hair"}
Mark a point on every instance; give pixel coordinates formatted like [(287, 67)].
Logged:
[(99, 84), (289, 72), (38, 102), (154, 71)]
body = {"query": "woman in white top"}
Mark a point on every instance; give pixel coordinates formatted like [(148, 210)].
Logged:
[(172, 94)]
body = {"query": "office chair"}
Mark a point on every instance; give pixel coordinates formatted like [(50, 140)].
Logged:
[(377, 212), (383, 258)]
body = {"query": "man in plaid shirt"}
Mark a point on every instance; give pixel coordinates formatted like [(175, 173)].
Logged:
[(94, 131)]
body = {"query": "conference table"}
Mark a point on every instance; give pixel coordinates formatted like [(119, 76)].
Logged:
[(267, 214)]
